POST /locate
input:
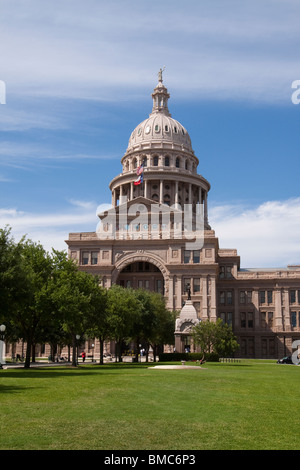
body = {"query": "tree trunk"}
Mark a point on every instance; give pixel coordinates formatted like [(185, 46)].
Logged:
[(33, 353), (101, 350), (74, 354), (27, 358)]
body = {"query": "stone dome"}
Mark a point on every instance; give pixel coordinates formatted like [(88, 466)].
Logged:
[(160, 130)]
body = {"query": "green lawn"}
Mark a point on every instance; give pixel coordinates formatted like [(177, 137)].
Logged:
[(246, 405)]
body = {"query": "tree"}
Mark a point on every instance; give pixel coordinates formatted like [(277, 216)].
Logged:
[(28, 273), (215, 337), (164, 325), (71, 292), (98, 321), (14, 280), (123, 310)]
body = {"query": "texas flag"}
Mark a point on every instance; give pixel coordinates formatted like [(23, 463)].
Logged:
[(139, 180), (140, 169)]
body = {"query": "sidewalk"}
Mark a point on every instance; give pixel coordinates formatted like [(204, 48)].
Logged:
[(20, 365)]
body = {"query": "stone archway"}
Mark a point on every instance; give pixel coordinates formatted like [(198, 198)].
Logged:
[(140, 256)]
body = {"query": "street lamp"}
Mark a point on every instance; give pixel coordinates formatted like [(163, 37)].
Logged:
[(2, 334)]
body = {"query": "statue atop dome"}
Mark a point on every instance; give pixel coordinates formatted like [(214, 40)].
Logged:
[(161, 70)]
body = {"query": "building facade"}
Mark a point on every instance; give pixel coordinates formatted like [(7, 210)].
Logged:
[(145, 240)]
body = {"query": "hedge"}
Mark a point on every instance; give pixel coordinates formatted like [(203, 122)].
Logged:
[(171, 357)]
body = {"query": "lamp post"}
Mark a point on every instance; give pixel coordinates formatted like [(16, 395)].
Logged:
[(2, 334)]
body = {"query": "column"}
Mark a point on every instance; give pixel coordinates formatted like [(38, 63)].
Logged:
[(190, 193), (255, 301), (171, 292), (161, 191), (176, 192), (131, 190), (121, 195), (178, 292), (278, 310), (204, 315), (213, 308), (113, 198), (200, 201), (286, 310), (205, 208)]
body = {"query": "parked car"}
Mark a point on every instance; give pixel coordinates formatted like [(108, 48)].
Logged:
[(285, 360)]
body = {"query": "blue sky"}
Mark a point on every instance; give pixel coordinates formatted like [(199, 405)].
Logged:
[(79, 78)]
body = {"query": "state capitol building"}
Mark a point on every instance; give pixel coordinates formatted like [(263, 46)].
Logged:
[(141, 243)]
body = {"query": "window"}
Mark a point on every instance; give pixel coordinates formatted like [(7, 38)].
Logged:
[(140, 284), (245, 297), (147, 285), (94, 257), (294, 319), (262, 297), (270, 296), (196, 256), (155, 161), (167, 199), (159, 286), (177, 163), (167, 128), (250, 320), (187, 284), (196, 285), (226, 317), (270, 319), (222, 272), (292, 296), (85, 257), (167, 161), (228, 272), (247, 320), (229, 297), (187, 256), (222, 298)]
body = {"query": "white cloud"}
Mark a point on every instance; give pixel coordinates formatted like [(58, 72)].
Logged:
[(265, 236), (50, 230), (239, 49)]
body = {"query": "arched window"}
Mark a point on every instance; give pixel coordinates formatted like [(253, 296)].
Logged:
[(177, 162), (155, 161), (155, 197), (167, 161), (167, 199)]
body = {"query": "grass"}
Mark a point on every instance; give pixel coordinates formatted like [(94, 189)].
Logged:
[(250, 405)]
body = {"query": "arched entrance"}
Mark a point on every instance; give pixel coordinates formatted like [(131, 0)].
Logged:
[(142, 275), (141, 270)]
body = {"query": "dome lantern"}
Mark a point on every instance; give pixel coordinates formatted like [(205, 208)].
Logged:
[(160, 96)]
